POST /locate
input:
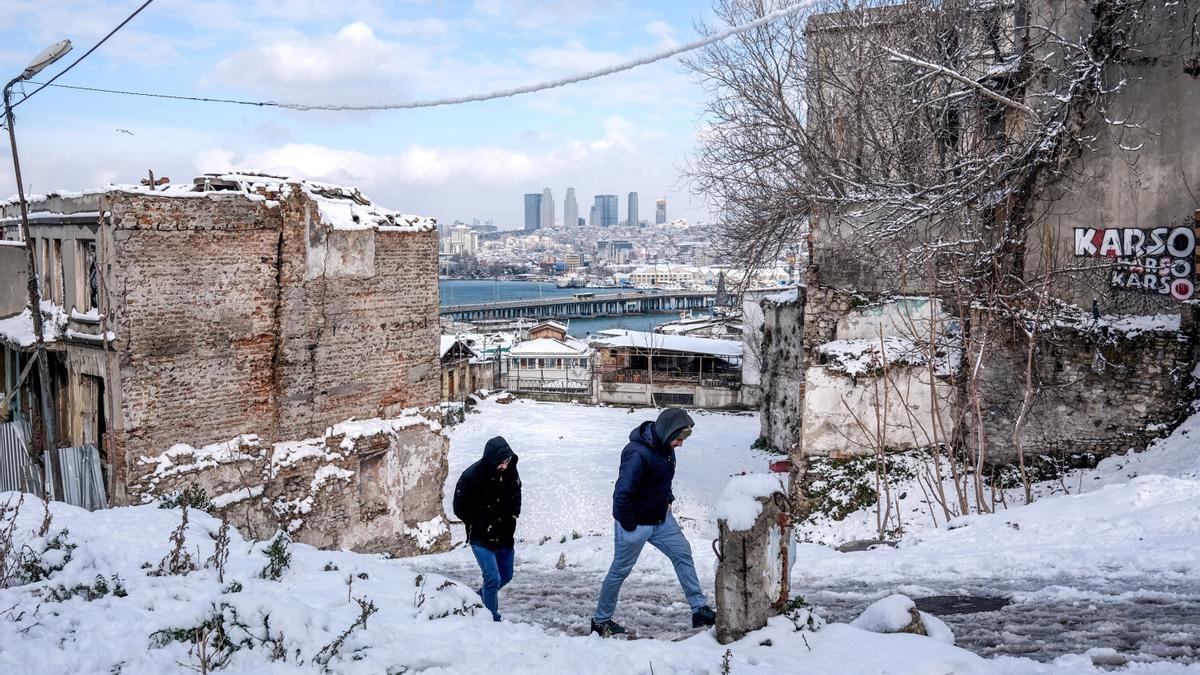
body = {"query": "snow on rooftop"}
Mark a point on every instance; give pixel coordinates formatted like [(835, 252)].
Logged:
[(448, 342), (675, 343), (568, 347), (17, 330)]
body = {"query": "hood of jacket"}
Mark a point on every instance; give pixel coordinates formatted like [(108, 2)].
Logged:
[(495, 452), (669, 423), (644, 434)]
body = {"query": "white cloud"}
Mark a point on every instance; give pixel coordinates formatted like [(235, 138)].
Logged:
[(465, 182)]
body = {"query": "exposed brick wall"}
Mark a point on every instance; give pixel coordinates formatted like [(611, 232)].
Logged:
[(191, 305), (236, 316)]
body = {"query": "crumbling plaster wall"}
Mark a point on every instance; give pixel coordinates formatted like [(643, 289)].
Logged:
[(377, 490), (358, 319)]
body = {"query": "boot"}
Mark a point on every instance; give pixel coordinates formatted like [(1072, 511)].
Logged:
[(608, 628), (704, 616)]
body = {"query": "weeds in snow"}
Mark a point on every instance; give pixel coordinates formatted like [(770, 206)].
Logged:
[(366, 609), (178, 561), (278, 558), (220, 552)]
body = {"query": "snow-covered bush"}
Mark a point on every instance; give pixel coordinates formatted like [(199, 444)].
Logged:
[(278, 558)]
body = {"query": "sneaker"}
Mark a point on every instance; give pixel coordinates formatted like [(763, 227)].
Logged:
[(608, 628), (704, 616)]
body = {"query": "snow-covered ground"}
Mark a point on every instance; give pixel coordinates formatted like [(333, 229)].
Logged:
[(1117, 561)]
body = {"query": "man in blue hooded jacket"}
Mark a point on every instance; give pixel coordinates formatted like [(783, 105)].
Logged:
[(642, 509)]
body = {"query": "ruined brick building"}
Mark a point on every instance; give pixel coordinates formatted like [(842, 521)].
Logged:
[(273, 341)]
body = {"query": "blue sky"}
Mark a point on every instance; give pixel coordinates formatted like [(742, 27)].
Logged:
[(628, 132)]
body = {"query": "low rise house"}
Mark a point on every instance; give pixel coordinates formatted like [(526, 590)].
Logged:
[(550, 365), (270, 340), (657, 369), (456, 359)]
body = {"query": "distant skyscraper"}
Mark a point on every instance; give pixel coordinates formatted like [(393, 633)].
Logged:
[(660, 211), (594, 216), (547, 211), (533, 211), (570, 209), (606, 210), (632, 210)]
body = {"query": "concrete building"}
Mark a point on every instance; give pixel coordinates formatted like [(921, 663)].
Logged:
[(660, 211), (631, 206), (533, 211), (462, 241), (1117, 322), (570, 209), (221, 333)]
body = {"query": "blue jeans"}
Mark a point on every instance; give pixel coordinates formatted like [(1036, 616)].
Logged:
[(667, 538), (497, 569)]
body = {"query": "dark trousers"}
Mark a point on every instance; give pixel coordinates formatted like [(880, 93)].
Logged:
[(497, 568)]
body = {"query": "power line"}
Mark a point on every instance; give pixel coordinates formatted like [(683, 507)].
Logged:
[(472, 98), (96, 46)]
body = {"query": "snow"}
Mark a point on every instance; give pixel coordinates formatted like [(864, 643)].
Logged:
[(676, 343), (18, 329), (786, 297), (240, 495), (739, 503), (1141, 529), (893, 613), (569, 456), (540, 346), (868, 355)]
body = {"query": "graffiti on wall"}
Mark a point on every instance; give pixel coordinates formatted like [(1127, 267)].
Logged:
[(1160, 260)]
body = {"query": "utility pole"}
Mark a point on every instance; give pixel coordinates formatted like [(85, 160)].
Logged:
[(44, 59)]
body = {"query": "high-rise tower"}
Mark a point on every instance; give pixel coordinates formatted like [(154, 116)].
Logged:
[(570, 209), (632, 210), (606, 210), (533, 211), (660, 211), (547, 210)]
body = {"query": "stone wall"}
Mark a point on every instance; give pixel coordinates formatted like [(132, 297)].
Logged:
[(372, 486), (239, 315), (1100, 389)]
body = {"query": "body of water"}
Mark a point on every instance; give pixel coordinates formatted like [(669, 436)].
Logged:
[(471, 291)]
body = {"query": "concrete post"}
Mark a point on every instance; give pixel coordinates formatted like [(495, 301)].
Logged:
[(752, 573)]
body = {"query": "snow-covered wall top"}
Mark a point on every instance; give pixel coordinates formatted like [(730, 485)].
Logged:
[(340, 207)]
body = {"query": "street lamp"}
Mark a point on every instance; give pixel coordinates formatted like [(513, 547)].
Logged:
[(39, 63)]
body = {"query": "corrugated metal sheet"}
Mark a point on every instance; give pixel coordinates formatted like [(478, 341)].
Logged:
[(18, 471), (83, 483)]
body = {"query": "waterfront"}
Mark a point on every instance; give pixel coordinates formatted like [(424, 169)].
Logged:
[(471, 291)]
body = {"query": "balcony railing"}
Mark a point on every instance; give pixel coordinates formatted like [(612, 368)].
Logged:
[(726, 380)]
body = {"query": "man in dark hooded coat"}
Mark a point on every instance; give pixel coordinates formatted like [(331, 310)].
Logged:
[(642, 509), (487, 500)]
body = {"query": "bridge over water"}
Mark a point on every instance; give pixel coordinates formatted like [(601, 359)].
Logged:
[(582, 305)]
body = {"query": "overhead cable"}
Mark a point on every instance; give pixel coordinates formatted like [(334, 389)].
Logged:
[(74, 63), (472, 98)]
